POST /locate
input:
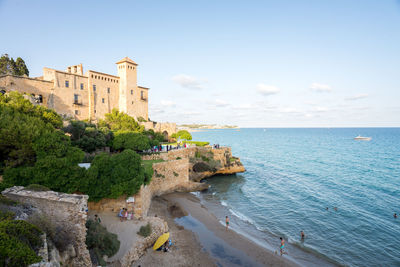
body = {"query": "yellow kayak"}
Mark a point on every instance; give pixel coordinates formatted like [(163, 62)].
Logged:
[(161, 240)]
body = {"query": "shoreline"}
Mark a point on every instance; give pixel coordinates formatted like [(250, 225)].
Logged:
[(260, 256), (192, 248)]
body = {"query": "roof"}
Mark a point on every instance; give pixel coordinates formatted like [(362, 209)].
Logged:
[(147, 88), (126, 59)]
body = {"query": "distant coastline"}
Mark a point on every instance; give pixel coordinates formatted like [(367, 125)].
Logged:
[(195, 127)]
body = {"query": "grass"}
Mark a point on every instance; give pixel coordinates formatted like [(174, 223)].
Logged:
[(148, 166), (197, 143), (145, 231)]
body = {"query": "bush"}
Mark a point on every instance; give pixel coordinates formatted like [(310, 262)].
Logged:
[(100, 242), (6, 215), (182, 134), (131, 140), (111, 176), (145, 231), (19, 243)]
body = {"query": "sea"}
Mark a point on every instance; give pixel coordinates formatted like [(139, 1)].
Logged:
[(341, 192)]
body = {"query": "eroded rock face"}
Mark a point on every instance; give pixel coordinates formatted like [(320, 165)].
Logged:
[(66, 211)]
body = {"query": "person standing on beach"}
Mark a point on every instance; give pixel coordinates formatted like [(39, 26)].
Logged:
[(282, 246), (227, 222)]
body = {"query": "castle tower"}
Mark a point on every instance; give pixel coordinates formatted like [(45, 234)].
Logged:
[(127, 72)]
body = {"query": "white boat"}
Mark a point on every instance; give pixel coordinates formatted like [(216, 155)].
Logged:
[(362, 138)]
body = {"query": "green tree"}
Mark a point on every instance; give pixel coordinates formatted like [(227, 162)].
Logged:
[(183, 134), (131, 140), (87, 136), (120, 121), (111, 176), (11, 67), (20, 67)]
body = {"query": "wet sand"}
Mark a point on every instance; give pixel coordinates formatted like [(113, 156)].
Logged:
[(201, 240)]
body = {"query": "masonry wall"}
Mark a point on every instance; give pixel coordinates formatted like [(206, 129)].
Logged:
[(168, 177), (67, 211)]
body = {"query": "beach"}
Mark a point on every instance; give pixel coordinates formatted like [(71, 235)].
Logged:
[(199, 248)]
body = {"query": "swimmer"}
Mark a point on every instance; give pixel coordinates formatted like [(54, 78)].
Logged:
[(335, 208), (302, 235), (327, 208), (395, 215), (227, 222)]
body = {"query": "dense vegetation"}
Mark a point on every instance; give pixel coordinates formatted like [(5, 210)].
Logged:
[(145, 230), (19, 242), (100, 242), (9, 66), (35, 150)]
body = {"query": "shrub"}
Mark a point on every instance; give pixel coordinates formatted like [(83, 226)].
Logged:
[(6, 215), (178, 158), (19, 243), (111, 176), (131, 140), (120, 121), (100, 242), (145, 231)]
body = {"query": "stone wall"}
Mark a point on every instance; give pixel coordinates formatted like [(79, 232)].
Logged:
[(67, 211), (158, 227), (165, 128), (169, 176)]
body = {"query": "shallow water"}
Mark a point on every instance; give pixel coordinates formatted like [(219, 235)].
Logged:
[(294, 174), (222, 252)]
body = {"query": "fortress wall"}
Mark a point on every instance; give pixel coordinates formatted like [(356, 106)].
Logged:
[(27, 85), (67, 211), (111, 100), (168, 177)]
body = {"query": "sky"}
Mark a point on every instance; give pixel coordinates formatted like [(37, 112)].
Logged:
[(321, 63)]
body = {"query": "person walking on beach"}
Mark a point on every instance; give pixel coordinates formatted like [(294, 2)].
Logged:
[(227, 222), (282, 246)]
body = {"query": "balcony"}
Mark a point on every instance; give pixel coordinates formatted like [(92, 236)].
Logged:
[(77, 102), (143, 98)]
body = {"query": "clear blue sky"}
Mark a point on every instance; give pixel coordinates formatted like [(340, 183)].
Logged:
[(250, 63)]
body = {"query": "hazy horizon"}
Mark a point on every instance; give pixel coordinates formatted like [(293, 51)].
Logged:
[(252, 64)]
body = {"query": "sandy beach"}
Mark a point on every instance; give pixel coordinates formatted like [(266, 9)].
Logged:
[(210, 244)]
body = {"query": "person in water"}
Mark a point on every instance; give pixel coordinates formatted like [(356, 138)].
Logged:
[(302, 235), (395, 215), (282, 246), (227, 222)]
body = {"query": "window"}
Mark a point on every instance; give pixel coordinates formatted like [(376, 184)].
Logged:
[(132, 102), (76, 112), (40, 98), (108, 90), (94, 87), (131, 92), (66, 83), (102, 100), (75, 97), (141, 94), (81, 86), (94, 111)]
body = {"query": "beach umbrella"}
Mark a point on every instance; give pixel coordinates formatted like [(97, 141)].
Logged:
[(161, 240)]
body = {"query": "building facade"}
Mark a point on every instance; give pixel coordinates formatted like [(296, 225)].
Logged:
[(89, 95)]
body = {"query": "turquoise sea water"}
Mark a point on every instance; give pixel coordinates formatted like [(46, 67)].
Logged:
[(294, 174)]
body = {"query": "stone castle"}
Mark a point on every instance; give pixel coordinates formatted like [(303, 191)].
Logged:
[(89, 95)]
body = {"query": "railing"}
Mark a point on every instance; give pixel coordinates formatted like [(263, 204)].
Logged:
[(76, 102)]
